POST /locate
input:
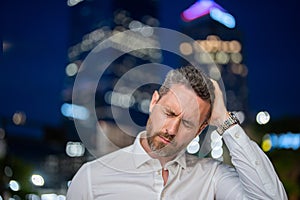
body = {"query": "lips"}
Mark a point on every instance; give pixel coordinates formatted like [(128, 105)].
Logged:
[(164, 140)]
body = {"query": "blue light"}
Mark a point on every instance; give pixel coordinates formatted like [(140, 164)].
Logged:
[(74, 111), (222, 17), (285, 141)]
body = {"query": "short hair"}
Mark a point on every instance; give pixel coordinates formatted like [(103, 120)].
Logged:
[(193, 78)]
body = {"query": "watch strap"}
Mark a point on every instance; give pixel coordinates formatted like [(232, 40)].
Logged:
[(231, 120)]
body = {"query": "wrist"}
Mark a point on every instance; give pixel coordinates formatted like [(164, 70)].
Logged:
[(223, 118), (227, 121), (219, 119)]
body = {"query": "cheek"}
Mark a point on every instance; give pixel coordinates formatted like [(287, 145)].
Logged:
[(157, 121), (188, 132)]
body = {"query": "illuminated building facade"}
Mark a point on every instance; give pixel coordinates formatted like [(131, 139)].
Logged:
[(92, 23), (224, 45)]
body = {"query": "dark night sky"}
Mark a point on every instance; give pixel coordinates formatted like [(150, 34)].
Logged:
[(32, 73), (32, 70), (271, 48)]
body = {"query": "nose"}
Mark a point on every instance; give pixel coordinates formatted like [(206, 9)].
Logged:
[(171, 125)]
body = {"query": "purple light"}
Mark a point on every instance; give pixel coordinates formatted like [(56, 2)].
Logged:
[(199, 9)]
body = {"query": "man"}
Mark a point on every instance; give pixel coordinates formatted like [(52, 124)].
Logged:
[(156, 165)]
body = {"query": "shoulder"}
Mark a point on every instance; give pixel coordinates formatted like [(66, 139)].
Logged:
[(86, 177), (192, 160), (111, 161)]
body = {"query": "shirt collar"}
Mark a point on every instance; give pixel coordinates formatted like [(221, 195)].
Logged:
[(141, 157), (180, 159)]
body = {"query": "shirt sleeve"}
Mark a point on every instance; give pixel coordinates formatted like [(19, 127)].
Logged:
[(80, 187), (258, 179)]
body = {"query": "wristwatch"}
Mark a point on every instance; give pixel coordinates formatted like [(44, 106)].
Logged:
[(231, 120)]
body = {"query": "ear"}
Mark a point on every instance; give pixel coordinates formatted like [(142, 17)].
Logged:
[(154, 100)]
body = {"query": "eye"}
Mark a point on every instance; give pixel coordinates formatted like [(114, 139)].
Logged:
[(169, 114), (187, 123)]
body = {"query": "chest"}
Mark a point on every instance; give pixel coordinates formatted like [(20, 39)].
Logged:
[(149, 186)]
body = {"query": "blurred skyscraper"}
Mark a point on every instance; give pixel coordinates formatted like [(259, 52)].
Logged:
[(91, 23), (225, 46)]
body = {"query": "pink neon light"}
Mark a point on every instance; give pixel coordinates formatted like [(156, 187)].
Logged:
[(199, 9)]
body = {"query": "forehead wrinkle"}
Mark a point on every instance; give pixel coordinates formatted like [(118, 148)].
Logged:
[(182, 98), (181, 115)]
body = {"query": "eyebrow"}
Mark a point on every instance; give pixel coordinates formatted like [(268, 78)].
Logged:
[(169, 110)]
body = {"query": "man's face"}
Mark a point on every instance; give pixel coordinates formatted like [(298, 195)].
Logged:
[(175, 119)]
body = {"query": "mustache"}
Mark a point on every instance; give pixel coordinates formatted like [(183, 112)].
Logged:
[(165, 135)]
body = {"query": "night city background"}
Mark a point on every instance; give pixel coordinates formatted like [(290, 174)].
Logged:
[(44, 43)]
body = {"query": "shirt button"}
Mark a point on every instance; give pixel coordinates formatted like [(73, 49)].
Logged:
[(158, 172), (257, 162), (237, 135)]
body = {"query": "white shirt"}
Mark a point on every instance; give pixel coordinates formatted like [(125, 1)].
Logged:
[(130, 173)]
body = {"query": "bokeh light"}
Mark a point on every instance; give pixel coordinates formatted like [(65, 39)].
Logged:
[(32, 197), (215, 73), (222, 17), (19, 118), (186, 48), (266, 143), (217, 153), (235, 46), (6, 46), (222, 57), (263, 117), (75, 149), (281, 141), (74, 111), (37, 180), (216, 145), (240, 115), (8, 171), (14, 185), (73, 2), (144, 106), (71, 69), (193, 147), (236, 57)]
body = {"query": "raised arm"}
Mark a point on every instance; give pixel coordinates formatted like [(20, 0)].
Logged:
[(256, 173)]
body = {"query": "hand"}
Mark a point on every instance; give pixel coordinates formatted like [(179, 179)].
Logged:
[(219, 112)]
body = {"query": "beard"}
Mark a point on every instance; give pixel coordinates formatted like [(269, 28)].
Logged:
[(157, 146)]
